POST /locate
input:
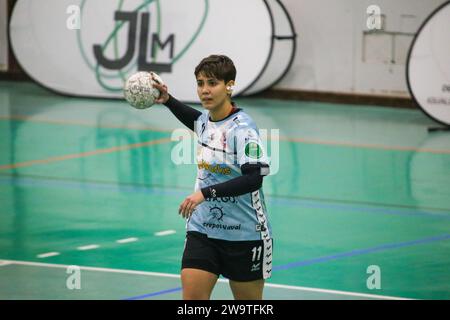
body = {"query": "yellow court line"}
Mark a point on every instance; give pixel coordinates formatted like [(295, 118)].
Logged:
[(364, 146), (84, 154), (80, 123), (282, 138)]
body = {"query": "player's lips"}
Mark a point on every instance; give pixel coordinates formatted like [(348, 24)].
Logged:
[(207, 100)]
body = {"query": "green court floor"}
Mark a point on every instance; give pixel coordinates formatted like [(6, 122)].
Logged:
[(91, 183)]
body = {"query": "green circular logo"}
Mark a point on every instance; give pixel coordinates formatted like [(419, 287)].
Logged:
[(253, 150)]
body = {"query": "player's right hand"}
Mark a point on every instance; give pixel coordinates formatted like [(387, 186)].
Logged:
[(164, 92)]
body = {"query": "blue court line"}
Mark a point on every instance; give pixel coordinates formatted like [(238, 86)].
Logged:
[(154, 294), (364, 208), (82, 185), (274, 200), (308, 262), (358, 252)]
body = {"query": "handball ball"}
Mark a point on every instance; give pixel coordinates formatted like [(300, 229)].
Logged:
[(139, 90)]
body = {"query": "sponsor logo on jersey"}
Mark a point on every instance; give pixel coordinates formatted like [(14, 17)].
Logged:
[(221, 226), (217, 212), (214, 168), (253, 150), (222, 199)]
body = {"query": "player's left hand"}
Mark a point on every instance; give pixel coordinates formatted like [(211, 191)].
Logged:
[(187, 207)]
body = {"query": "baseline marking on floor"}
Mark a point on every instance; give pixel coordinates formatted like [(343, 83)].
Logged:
[(176, 276)]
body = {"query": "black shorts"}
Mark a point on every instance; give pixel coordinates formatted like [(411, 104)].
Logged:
[(235, 260)]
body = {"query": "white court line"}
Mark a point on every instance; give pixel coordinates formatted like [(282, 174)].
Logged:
[(64, 266), (127, 240), (165, 233), (344, 293), (47, 255), (169, 275), (88, 247)]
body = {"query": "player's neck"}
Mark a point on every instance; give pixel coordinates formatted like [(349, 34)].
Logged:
[(221, 112)]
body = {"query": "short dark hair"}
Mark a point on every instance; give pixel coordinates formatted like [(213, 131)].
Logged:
[(217, 66)]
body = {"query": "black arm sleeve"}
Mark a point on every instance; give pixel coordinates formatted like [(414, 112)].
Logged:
[(250, 181), (184, 113)]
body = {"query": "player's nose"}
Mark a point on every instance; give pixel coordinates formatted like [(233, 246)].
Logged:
[(205, 90)]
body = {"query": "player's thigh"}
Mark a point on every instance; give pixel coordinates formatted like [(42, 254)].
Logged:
[(248, 290), (197, 284)]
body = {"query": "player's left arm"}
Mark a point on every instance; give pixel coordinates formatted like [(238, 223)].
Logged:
[(250, 181)]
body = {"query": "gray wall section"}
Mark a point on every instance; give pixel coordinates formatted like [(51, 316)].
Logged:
[(3, 36)]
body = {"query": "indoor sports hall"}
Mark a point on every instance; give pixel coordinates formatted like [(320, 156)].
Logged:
[(353, 108)]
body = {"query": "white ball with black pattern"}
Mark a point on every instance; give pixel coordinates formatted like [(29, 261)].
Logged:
[(139, 91)]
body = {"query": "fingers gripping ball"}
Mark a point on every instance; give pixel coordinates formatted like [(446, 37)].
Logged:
[(139, 90)]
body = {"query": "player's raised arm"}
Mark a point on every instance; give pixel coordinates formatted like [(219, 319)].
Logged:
[(184, 113)]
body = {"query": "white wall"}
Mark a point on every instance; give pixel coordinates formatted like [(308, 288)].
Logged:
[(334, 55)]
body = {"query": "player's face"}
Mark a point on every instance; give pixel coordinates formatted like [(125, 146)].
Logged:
[(212, 92)]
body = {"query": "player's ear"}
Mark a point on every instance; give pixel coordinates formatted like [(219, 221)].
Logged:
[(230, 86)]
